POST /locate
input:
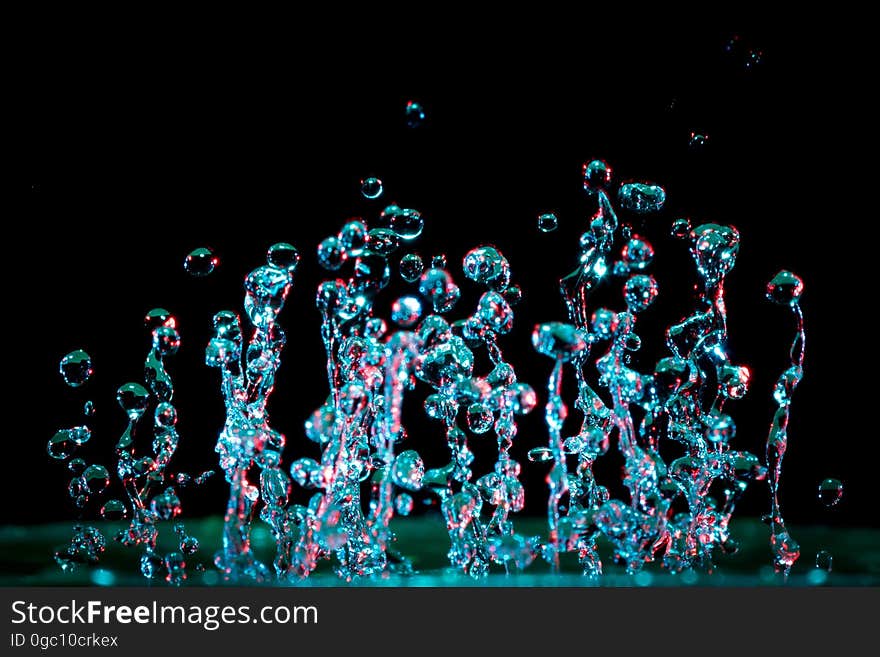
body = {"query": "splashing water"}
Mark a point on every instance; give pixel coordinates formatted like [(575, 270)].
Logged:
[(361, 471)]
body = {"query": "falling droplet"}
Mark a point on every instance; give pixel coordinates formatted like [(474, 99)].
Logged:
[(830, 492), (284, 256), (681, 228), (408, 470), (641, 197), (547, 222), (479, 418), (331, 255), (371, 188), (76, 368), (824, 560), (406, 311), (64, 442), (96, 478), (133, 399), (89, 408), (200, 262), (640, 292), (403, 504), (638, 253), (597, 176), (415, 114), (113, 510), (411, 267), (697, 141), (785, 288)]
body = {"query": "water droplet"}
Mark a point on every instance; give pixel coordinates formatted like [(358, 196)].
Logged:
[(133, 398), (166, 415), (331, 255), (547, 222), (113, 510), (76, 368), (697, 141), (486, 265), (406, 311), (681, 228), (411, 267), (540, 454), (97, 479), (558, 340), (166, 505), (408, 470), (597, 176), (77, 466), (720, 428), (415, 114), (641, 197), (403, 504), (830, 492), (382, 241), (175, 565), (201, 262), (640, 292), (785, 288), (89, 409), (371, 188), (189, 545), (479, 418), (438, 261), (284, 256), (638, 253)]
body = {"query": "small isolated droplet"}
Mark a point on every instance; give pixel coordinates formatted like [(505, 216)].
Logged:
[(284, 256), (403, 504), (331, 254), (200, 262), (371, 188), (76, 368), (540, 454), (89, 408), (830, 492), (697, 141), (597, 176), (411, 267), (547, 222), (824, 560), (438, 261), (681, 228), (415, 114)]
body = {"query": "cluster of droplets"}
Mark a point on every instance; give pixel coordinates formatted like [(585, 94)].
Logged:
[(683, 400), (142, 466)]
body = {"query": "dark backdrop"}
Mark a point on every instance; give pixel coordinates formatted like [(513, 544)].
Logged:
[(132, 155)]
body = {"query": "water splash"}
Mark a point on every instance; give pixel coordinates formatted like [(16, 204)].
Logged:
[(361, 471)]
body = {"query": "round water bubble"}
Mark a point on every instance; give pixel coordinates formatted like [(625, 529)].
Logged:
[(189, 545), (353, 237), (406, 223), (331, 255), (697, 141), (371, 188), (513, 294), (824, 560), (403, 504), (785, 288), (681, 228), (720, 428), (113, 510), (640, 292), (166, 505), (77, 466), (408, 470), (641, 197), (830, 492), (406, 311), (89, 408), (415, 114), (166, 340), (638, 253), (61, 446), (411, 267), (597, 176), (547, 222), (200, 262), (96, 478), (479, 418), (133, 399), (284, 256), (165, 415), (487, 266), (76, 368)]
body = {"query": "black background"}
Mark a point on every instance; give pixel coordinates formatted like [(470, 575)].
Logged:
[(135, 152)]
